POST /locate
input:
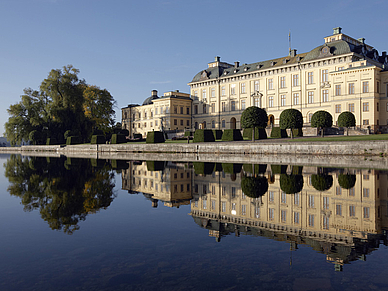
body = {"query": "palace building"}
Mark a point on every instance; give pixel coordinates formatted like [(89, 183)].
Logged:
[(342, 74), (170, 112)]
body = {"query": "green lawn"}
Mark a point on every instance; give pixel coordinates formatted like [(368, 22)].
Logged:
[(342, 138)]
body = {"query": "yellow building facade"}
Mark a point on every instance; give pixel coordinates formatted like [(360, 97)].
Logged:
[(342, 74), (170, 112)]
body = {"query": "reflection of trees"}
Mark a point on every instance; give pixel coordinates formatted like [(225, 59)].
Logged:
[(254, 187), (322, 182), (63, 197), (346, 181), (291, 184)]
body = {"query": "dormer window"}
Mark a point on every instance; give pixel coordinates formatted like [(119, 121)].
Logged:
[(235, 71), (273, 63), (259, 66), (246, 69), (225, 73)]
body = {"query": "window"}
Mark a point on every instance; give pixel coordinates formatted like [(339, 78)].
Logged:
[(213, 204), (223, 107), (213, 107), (271, 196), (352, 192), (195, 109), (310, 116), (351, 88), (156, 111), (187, 110), (271, 213), (284, 215), (310, 78), (366, 212), (213, 124), (310, 97), (311, 220), (223, 91), (233, 105), (213, 92), (282, 82), (352, 210), (351, 107), (270, 101), (325, 76), (378, 87), (325, 95), (340, 68), (296, 198), (326, 202), (295, 80), (181, 110), (326, 222), (338, 108), (187, 123), (284, 197), (338, 190), (337, 90), (338, 209), (243, 209), (243, 106), (257, 103), (233, 89), (365, 87), (203, 94), (223, 206), (243, 88), (296, 98), (175, 122), (257, 86), (311, 201), (270, 84), (365, 192), (283, 100), (296, 217), (181, 122), (204, 108), (156, 123), (223, 123), (365, 106)]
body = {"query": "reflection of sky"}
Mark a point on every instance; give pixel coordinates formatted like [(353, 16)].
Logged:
[(132, 244)]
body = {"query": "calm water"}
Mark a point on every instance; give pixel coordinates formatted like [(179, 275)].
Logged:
[(74, 224)]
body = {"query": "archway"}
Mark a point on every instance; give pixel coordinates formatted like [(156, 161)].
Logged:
[(233, 123), (271, 120)]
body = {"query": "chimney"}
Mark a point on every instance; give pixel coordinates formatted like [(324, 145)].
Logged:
[(217, 59), (337, 30), (154, 93), (236, 64), (384, 54)]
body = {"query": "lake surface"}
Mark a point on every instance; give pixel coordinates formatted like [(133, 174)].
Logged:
[(79, 224)]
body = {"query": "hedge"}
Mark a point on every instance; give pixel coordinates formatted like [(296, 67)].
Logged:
[(259, 169), (97, 139), (297, 132), (188, 133), (155, 165), (118, 138), (260, 133), (279, 169), (217, 133), (71, 140), (97, 163), (155, 137), (51, 141), (231, 135), (137, 135), (231, 168), (203, 135), (201, 168), (119, 164), (277, 132)]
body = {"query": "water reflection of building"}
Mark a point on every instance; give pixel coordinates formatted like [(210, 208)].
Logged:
[(344, 224), (164, 181)]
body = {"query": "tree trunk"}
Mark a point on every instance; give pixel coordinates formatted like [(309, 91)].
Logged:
[(291, 134), (253, 134), (322, 132)]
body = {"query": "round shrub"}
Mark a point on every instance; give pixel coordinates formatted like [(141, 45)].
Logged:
[(254, 187), (322, 182), (346, 181), (291, 184), (321, 119), (290, 118), (254, 117)]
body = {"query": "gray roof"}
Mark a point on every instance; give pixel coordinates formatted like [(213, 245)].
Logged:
[(148, 101), (335, 48)]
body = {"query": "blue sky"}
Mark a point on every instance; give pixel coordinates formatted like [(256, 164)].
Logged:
[(132, 47)]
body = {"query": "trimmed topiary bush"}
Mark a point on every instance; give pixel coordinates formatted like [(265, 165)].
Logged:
[(155, 137), (155, 165), (137, 136), (260, 133), (322, 182), (346, 181), (217, 133), (72, 140), (97, 139), (346, 119), (297, 132), (291, 184), (321, 119), (203, 135), (51, 141), (124, 132), (201, 168), (254, 187), (277, 132), (117, 139), (291, 118), (231, 135)]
